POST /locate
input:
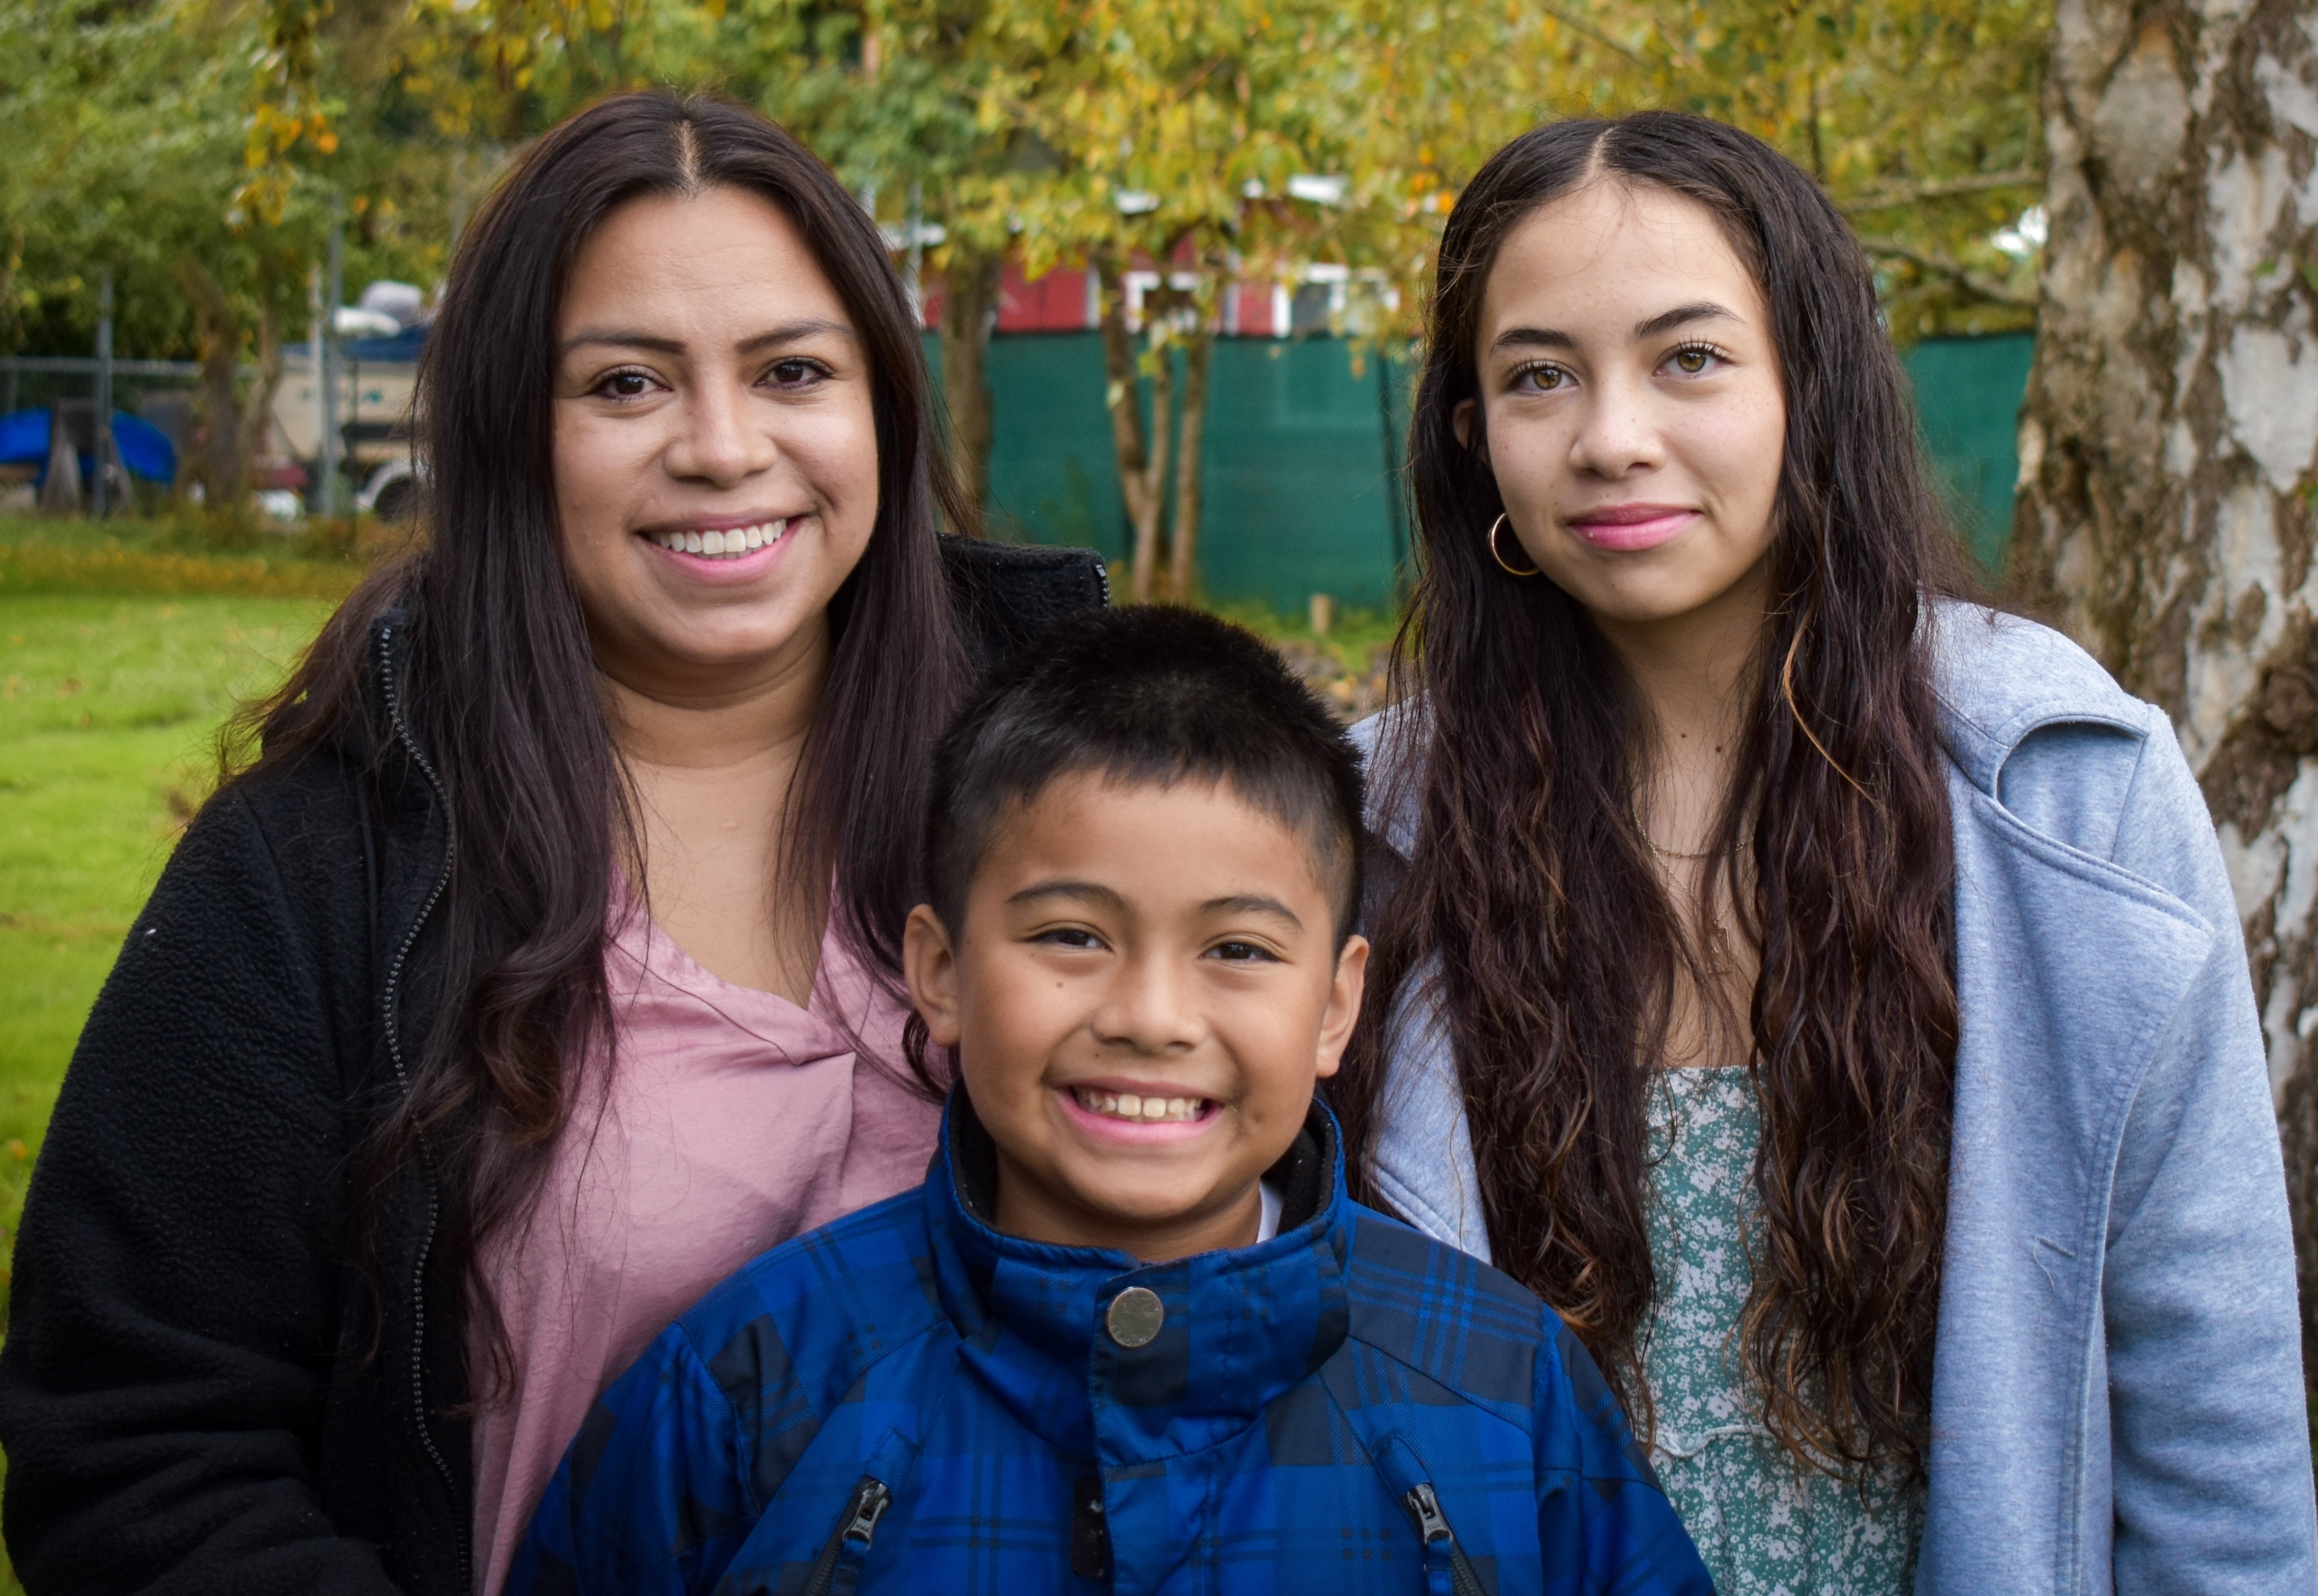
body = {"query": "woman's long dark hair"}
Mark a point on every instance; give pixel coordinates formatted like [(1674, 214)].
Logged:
[(498, 684), (1531, 894)]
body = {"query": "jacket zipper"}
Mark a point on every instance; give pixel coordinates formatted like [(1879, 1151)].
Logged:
[(857, 1526), (392, 1005), (1443, 1555)]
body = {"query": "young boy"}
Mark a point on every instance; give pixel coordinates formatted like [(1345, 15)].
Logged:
[(1131, 1335)]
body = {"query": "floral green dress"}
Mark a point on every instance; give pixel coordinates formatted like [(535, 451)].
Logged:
[(1762, 1530)]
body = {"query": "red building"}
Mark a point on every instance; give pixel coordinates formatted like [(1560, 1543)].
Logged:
[(1064, 300)]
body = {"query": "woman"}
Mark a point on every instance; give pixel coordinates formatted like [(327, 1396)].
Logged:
[(1829, 996), (543, 967)]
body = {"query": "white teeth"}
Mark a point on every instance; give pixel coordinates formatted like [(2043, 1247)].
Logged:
[(723, 545), (1129, 1106)]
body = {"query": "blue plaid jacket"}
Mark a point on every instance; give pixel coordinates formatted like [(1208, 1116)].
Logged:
[(908, 1402)]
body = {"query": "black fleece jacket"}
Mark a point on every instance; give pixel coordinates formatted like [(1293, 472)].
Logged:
[(191, 1400)]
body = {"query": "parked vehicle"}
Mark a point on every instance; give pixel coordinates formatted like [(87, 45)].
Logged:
[(375, 368), (391, 492)]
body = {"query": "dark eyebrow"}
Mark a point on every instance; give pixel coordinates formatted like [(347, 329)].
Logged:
[(1084, 892), (1680, 315), (787, 332), (1543, 338), (1251, 903), (1087, 892), (791, 331)]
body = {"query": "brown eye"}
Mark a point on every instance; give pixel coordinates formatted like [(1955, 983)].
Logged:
[(1691, 362), (625, 385), (790, 374)]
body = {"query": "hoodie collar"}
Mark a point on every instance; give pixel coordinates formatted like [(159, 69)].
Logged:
[(1238, 1327)]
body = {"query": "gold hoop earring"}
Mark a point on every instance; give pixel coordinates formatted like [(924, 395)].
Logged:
[(1502, 563)]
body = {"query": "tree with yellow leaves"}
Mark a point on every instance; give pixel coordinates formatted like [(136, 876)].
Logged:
[(1919, 118), (1178, 131)]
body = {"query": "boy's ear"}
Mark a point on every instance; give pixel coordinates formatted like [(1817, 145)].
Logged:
[(929, 966), (1343, 1011)]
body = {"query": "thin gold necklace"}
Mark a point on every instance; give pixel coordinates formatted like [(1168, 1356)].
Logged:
[(1720, 960)]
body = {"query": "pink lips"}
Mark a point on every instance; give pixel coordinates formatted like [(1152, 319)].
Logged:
[(1624, 528)]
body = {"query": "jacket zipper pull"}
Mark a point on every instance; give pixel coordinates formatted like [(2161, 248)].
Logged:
[(1446, 1572), (870, 1500), (837, 1570)]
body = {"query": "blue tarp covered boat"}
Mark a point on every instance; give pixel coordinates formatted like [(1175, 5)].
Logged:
[(144, 450)]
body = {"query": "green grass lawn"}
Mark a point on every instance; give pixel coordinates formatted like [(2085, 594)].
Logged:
[(108, 712)]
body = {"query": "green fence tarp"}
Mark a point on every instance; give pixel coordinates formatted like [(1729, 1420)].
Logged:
[(1300, 470), (1968, 393)]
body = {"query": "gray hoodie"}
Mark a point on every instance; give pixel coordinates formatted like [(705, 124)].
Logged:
[(2117, 1392)]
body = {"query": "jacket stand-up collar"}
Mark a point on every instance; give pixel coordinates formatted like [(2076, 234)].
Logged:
[(1239, 1326)]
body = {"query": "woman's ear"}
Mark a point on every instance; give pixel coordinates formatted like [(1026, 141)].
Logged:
[(1461, 421), (929, 966)]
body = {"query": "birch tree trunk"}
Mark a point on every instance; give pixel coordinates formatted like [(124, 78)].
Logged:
[(2167, 442)]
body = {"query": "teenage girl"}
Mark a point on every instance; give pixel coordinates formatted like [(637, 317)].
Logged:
[(1826, 994)]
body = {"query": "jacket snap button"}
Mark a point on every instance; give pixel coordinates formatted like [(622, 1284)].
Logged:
[(1136, 1315)]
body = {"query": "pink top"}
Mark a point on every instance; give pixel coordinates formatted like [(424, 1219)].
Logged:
[(735, 1120)]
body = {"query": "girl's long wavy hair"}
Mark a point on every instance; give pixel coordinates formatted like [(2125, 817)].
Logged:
[(498, 683), (1530, 904)]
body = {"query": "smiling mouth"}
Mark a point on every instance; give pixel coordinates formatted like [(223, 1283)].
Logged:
[(730, 544), (1142, 1111), (1631, 528)]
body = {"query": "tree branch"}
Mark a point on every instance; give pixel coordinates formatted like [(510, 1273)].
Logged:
[(1579, 24), (1886, 198), (1955, 272)]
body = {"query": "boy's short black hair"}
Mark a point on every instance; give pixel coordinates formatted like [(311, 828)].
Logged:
[(1152, 694)]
